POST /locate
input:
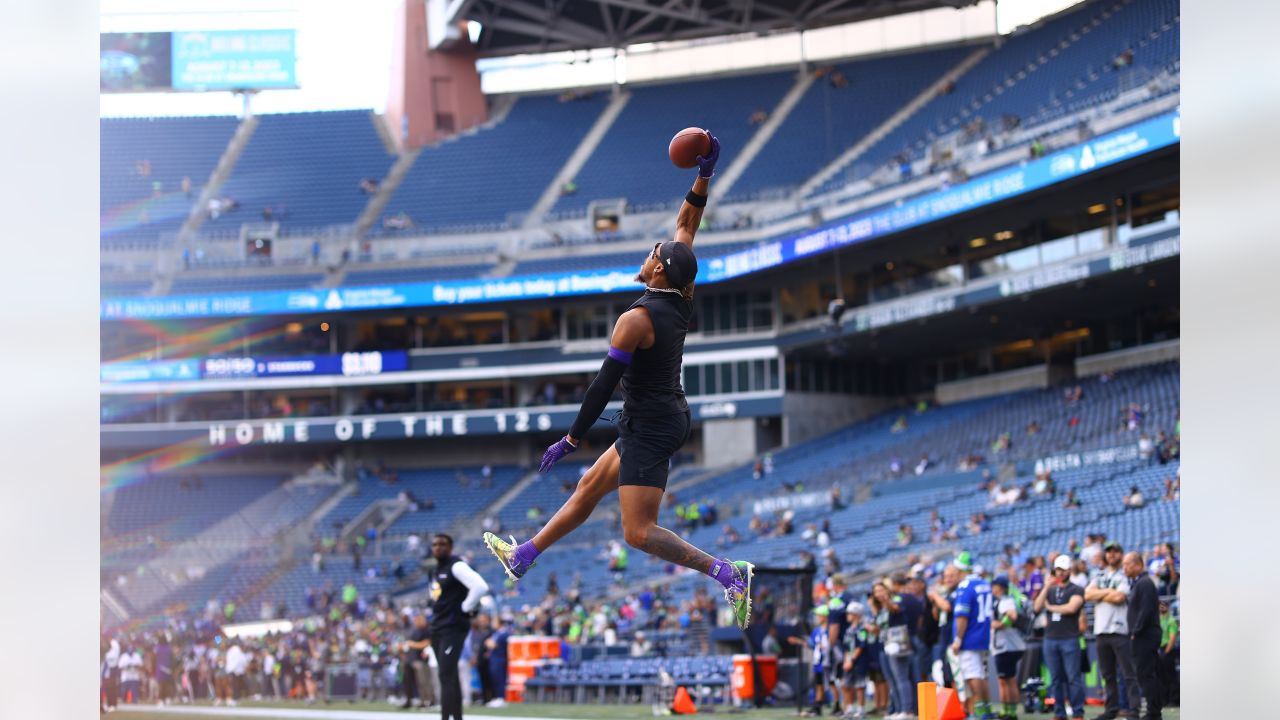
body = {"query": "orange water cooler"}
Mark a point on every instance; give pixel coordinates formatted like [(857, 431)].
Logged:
[(524, 656), (743, 680)]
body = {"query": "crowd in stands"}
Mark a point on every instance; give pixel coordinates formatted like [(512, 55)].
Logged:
[(868, 644), (933, 619), (603, 596)]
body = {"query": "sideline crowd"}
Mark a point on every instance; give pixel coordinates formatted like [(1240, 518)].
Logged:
[(953, 622)]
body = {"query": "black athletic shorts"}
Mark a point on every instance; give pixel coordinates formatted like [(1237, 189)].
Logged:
[(646, 444), (1007, 664)]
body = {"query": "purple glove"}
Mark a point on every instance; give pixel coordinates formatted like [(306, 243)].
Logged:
[(555, 454), (707, 165)]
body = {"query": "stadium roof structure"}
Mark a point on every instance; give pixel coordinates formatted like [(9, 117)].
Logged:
[(512, 27)]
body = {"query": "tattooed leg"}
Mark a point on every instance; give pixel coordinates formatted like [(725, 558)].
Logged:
[(640, 528)]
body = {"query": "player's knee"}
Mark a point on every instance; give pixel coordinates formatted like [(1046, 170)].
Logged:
[(637, 535)]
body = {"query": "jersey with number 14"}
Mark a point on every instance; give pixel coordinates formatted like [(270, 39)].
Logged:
[(973, 601)]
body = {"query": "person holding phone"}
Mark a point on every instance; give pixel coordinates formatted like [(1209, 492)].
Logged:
[(1063, 601)]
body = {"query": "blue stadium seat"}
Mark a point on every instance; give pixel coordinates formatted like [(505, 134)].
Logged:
[(480, 179), (861, 453), (632, 160), (142, 164), (828, 120), (1059, 67), (309, 164), (415, 274), (213, 284)]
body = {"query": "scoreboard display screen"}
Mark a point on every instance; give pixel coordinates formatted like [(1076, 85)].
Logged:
[(234, 60), (136, 62), (198, 60)]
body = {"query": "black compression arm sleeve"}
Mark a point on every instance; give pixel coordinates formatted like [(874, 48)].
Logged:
[(598, 395)]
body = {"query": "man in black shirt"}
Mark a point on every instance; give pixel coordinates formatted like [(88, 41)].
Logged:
[(1144, 628), (417, 677), (456, 590), (481, 652), (645, 355), (913, 608), (1064, 601)]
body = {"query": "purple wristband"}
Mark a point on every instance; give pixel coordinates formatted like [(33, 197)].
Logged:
[(621, 356)]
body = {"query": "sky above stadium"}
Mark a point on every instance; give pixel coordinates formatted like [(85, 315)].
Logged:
[(344, 49)]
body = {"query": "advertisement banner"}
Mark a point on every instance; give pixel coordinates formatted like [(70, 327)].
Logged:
[(234, 60), (131, 372), (352, 364), (941, 302), (993, 187), (407, 426)]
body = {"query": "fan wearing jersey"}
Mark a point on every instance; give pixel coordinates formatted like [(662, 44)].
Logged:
[(1007, 643), (645, 355), (820, 646), (857, 661), (972, 635)]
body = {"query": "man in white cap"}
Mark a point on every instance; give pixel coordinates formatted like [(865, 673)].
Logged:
[(820, 645), (1064, 602)]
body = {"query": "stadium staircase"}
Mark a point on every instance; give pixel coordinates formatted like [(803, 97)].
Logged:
[(689, 477), (505, 499), (530, 143), (232, 552), (386, 189), (335, 277), (742, 159), (857, 457), (578, 158), (503, 267), (221, 173), (498, 112), (384, 133), (379, 515), (329, 504), (113, 611), (1061, 65), (722, 103), (893, 121), (499, 108)]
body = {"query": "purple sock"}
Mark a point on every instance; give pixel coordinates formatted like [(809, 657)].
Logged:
[(526, 553), (722, 571)]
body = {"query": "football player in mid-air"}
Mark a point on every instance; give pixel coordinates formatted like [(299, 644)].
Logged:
[(645, 354)]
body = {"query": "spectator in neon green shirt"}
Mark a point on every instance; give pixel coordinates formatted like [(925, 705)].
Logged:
[(1169, 653)]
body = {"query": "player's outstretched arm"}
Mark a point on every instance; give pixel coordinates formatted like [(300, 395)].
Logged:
[(633, 329), (695, 202)]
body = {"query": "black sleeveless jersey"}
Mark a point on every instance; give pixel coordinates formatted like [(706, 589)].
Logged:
[(447, 594), (651, 384)]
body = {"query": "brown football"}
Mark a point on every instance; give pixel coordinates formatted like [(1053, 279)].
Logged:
[(687, 145)]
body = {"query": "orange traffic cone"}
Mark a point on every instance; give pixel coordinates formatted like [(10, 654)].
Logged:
[(949, 705), (683, 704), (927, 700)]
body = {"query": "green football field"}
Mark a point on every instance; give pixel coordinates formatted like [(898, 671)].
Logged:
[(379, 711)]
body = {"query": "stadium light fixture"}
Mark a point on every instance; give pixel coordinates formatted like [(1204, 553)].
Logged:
[(977, 242), (1003, 235), (1095, 209)]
